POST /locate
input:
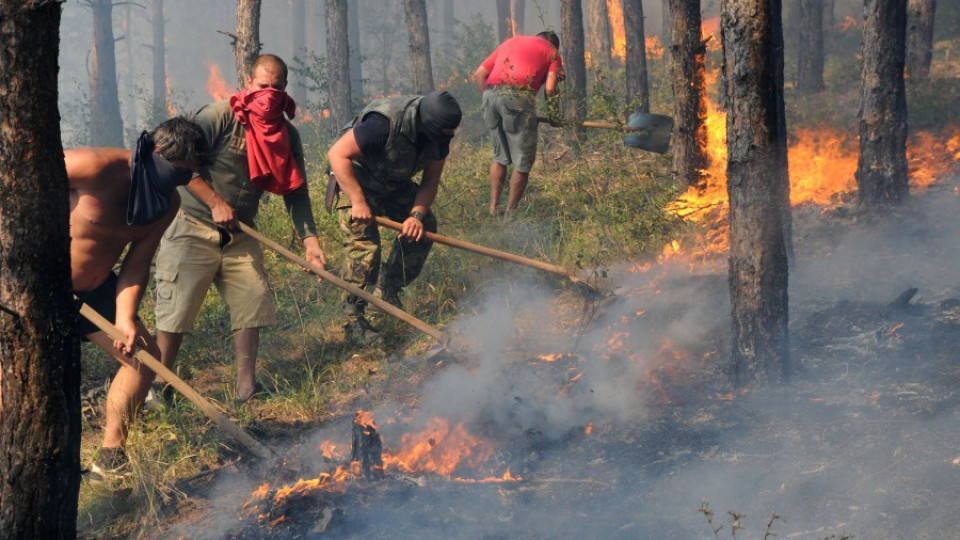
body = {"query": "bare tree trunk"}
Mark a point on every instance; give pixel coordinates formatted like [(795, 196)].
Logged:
[(449, 19), (638, 86), (690, 158), (882, 165), (247, 46), (356, 62), (810, 51), (665, 33), (920, 38), (338, 56), (599, 40), (39, 347), (756, 181), (106, 125), (298, 48), (504, 21), (571, 43), (519, 16), (159, 64), (417, 29), (131, 90), (828, 15)]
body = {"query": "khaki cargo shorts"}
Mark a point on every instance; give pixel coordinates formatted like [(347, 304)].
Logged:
[(511, 117), (192, 256)]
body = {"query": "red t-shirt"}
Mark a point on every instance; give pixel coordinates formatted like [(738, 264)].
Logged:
[(522, 61)]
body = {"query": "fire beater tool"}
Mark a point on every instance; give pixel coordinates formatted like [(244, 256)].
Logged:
[(173, 380), (381, 304), (646, 131), (502, 255)]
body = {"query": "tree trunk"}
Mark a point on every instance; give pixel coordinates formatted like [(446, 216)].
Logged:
[(356, 63), (128, 80), (920, 38), (449, 19), (519, 16), (247, 46), (638, 87), (599, 41), (298, 48), (419, 36), (882, 165), (39, 347), (504, 21), (828, 15), (159, 65), (756, 181), (338, 56), (810, 51), (106, 125), (665, 33), (690, 98), (571, 43)]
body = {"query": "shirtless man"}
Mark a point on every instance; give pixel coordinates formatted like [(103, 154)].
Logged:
[(120, 198)]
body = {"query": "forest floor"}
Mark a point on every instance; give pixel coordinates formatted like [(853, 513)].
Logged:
[(615, 413)]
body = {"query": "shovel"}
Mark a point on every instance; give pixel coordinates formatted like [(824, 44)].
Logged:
[(649, 132)]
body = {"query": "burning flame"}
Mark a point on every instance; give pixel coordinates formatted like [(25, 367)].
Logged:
[(216, 85), (617, 30)]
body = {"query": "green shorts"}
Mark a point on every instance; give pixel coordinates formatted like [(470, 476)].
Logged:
[(193, 255), (511, 117)]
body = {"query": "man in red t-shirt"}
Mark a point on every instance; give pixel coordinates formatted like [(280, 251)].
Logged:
[(509, 79)]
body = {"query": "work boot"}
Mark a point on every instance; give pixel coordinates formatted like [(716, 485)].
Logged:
[(111, 464), (391, 296), (359, 330)]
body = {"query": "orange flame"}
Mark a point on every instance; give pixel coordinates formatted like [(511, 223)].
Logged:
[(617, 30), (216, 85)]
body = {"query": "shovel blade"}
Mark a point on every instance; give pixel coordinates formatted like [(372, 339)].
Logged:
[(655, 136)]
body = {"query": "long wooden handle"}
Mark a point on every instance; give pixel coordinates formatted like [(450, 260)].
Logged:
[(171, 378), (482, 250), (382, 305), (600, 125)]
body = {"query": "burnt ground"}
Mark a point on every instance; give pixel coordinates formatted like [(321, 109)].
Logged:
[(862, 441)]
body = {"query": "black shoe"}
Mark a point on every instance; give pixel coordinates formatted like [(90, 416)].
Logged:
[(111, 464), (359, 330), (391, 296)]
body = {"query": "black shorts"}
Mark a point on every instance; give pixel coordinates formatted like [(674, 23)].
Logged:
[(103, 300)]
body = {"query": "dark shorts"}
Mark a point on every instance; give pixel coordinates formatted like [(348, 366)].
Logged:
[(103, 300)]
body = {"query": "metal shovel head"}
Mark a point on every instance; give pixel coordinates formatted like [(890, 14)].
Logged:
[(655, 136)]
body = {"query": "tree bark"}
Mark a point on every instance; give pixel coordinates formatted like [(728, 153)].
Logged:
[(159, 64), (338, 56), (690, 158), (882, 164), (810, 51), (419, 36), (638, 86), (756, 182), (356, 62), (665, 34), (298, 48), (504, 21), (599, 40), (247, 46), (571, 44), (131, 89), (39, 347), (106, 125), (519, 16), (920, 38), (828, 15)]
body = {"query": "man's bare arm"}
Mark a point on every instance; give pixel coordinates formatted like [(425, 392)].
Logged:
[(480, 78), (221, 212), (341, 155), (429, 185)]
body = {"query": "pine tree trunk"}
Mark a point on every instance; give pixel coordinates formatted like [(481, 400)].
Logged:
[(39, 347), (449, 19), (665, 34), (519, 16), (338, 56), (298, 49), (638, 87), (828, 15), (599, 41), (106, 125), (920, 38), (571, 44), (689, 90), (882, 165), (504, 21), (356, 63), (128, 61), (756, 182), (810, 51), (247, 46), (419, 36), (159, 64)]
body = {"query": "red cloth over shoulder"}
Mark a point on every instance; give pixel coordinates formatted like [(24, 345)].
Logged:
[(269, 156)]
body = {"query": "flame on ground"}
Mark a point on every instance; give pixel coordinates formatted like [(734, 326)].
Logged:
[(216, 85)]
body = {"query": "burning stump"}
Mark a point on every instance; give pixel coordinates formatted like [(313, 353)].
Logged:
[(367, 446)]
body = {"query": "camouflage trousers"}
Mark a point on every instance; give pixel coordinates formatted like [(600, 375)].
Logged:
[(362, 246)]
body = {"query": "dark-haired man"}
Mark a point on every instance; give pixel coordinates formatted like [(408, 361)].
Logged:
[(509, 79), (374, 162), (253, 148), (125, 200)]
